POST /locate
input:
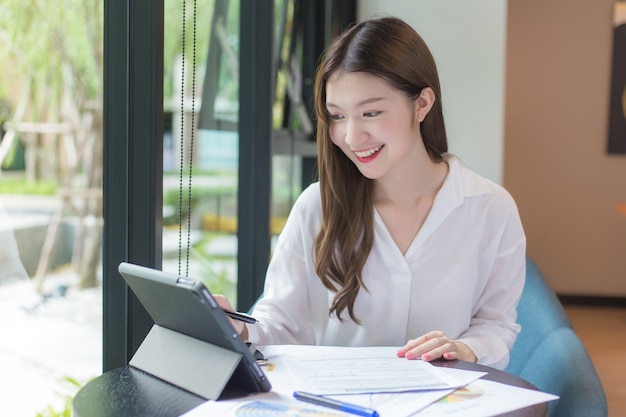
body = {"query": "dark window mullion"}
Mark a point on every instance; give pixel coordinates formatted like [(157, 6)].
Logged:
[(133, 167), (255, 147)]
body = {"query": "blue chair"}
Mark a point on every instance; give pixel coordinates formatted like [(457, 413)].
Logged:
[(549, 354)]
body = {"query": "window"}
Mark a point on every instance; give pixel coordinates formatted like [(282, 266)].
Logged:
[(138, 210)]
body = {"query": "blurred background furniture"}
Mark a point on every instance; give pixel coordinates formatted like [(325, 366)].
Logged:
[(549, 354)]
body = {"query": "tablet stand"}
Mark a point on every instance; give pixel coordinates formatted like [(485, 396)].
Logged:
[(192, 364)]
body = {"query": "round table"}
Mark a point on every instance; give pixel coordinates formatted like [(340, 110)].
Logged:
[(127, 391)]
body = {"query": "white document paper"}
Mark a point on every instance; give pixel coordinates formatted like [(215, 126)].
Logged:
[(405, 404), (280, 402), (326, 370), (263, 405), (476, 397), (484, 398)]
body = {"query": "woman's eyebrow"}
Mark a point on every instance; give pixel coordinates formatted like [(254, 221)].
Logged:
[(359, 104), (369, 101)]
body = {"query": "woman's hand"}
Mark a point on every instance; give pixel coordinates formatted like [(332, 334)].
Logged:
[(435, 345), (239, 326)]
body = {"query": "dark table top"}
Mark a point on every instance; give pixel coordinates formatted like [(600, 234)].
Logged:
[(127, 391)]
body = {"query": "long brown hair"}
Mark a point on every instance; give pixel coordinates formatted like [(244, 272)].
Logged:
[(390, 49)]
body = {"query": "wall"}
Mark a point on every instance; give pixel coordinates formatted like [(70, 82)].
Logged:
[(526, 92), (470, 59), (567, 187)]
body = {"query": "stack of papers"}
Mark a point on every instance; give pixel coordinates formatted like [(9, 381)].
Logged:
[(327, 370), (372, 377)]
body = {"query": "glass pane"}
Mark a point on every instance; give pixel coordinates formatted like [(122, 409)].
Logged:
[(200, 189), (286, 186), (51, 199), (291, 121)]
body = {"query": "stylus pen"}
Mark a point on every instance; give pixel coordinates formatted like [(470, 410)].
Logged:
[(241, 317), (334, 404)]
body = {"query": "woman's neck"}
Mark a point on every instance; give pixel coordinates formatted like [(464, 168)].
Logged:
[(420, 181)]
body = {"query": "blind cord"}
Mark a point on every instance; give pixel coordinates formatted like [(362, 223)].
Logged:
[(182, 140)]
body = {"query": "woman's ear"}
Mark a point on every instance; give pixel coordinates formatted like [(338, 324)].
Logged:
[(424, 102)]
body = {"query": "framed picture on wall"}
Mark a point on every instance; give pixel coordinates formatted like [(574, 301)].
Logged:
[(617, 109)]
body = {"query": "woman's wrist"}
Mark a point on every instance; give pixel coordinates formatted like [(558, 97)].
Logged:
[(467, 354)]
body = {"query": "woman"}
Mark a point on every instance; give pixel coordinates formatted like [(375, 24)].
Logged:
[(397, 244)]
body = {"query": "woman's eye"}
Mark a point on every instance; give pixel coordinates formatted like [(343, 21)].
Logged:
[(371, 114), (336, 117)]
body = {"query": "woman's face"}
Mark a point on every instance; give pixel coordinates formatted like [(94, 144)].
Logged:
[(374, 124)]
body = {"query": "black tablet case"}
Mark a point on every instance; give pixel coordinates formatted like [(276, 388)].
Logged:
[(192, 343)]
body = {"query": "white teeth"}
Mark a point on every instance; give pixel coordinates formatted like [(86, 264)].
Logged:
[(369, 152)]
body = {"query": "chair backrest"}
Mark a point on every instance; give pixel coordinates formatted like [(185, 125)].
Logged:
[(539, 313), (549, 354), (561, 365)]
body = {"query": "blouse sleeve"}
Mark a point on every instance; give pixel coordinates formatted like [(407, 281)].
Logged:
[(493, 327)]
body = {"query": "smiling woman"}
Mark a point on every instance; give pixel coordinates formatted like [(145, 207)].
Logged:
[(363, 259)]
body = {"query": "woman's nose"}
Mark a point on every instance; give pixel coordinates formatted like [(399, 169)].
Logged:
[(355, 134)]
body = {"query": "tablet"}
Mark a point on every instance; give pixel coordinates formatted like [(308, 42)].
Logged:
[(186, 306)]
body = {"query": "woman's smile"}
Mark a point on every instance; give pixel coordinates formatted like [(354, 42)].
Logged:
[(368, 155)]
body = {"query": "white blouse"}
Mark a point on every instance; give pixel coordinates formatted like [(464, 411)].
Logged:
[(463, 274)]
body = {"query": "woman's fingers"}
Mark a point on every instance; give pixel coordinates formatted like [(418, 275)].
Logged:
[(417, 347), (435, 345), (223, 302)]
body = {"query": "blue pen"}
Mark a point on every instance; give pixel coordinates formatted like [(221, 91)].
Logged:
[(337, 405)]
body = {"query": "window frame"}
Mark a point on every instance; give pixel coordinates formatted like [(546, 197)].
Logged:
[(133, 149)]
